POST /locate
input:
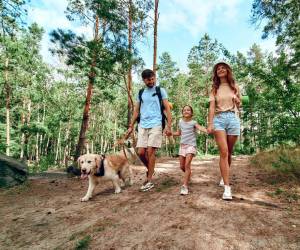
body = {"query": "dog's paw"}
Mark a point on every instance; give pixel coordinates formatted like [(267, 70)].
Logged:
[(117, 191), (84, 198)]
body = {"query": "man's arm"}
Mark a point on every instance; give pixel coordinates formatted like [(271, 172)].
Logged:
[(169, 117), (135, 115)]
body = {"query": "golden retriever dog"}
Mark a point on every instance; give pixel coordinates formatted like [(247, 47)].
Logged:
[(116, 167)]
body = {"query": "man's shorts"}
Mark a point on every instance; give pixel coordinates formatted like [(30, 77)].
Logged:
[(149, 137), (187, 149), (228, 122)]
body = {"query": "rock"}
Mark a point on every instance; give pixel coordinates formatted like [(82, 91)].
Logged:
[(12, 172)]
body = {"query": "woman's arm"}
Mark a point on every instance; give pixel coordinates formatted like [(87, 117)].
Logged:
[(238, 98), (211, 113)]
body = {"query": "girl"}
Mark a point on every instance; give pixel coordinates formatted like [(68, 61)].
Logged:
[(187, 131), (224, 101)]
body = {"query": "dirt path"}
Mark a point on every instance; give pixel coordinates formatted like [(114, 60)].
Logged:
[(47, 214)]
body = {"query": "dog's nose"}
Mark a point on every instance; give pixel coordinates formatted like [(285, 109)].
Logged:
[(83, 170)]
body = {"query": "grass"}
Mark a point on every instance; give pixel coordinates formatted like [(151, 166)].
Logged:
[(288, 195), (282, 166), (283, 162), (83, 243), (18, 189)]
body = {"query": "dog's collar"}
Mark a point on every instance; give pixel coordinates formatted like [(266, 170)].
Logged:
[(100, 170)]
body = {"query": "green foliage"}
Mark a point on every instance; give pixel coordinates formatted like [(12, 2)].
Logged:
[(83, 243)]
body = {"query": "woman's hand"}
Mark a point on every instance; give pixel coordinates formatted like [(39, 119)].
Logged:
[(210, 129), (237, 101)]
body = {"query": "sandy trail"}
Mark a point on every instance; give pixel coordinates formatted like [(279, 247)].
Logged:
[(48, 214)]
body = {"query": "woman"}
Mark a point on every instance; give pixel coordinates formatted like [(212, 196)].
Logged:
[(223, 122)]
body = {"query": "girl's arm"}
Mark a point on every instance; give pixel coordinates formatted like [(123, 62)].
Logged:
[(177, 133), (200, 128)]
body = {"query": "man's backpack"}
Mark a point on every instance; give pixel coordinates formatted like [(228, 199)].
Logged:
[(162, 107)]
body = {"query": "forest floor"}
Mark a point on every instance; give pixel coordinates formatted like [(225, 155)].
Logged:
[(46, 213)]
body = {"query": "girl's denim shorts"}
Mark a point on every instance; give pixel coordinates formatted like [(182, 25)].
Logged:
[(228, 122)]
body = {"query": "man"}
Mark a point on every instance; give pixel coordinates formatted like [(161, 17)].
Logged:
[(148, 106)]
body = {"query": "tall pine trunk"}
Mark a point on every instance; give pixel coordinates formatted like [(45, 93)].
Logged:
[(129, 75), (37, 155), (23, 135), (85, 118), (7, 92), (155, 34)]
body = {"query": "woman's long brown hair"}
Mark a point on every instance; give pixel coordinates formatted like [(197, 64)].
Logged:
[(217, 82)]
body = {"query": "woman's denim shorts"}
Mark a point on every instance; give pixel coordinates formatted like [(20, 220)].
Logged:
[(228, 122)]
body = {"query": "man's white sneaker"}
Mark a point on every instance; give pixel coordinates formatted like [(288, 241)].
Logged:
[(221, 184), (147, 186), (227, 193), (184, 190)]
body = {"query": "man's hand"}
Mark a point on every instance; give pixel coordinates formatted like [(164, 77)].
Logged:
[(168, 131), (129, 130)]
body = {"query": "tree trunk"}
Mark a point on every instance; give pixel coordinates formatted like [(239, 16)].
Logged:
[(41, 137), (85, 118), (115, 134), (37, 156), (23, 135), (58, 146), (129, 75), (66, 149), (26, 139), (155, 34), (7, 91)]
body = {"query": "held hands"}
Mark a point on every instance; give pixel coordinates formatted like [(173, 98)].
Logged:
[(210, 129), (168, 131)]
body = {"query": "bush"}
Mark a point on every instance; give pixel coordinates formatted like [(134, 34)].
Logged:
[(283, 160)]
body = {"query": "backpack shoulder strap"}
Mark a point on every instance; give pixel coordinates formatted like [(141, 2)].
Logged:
[(158, 92), (141, 91)]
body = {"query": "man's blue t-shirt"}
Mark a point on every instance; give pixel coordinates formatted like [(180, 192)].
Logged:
[(150, 107)]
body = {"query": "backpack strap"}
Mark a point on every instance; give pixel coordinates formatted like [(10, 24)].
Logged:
[(141, 91), (158, 93), (162, 107)]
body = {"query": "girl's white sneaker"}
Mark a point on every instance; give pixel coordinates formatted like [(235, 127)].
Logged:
[(184, 190)]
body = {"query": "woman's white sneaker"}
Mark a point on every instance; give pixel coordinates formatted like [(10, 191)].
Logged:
[(184, 190), (227, 193)]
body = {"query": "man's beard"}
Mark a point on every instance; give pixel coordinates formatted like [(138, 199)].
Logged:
[(150, 87)]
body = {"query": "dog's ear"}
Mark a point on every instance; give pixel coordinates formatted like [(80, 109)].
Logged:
[(78, 161), (98, 160)]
